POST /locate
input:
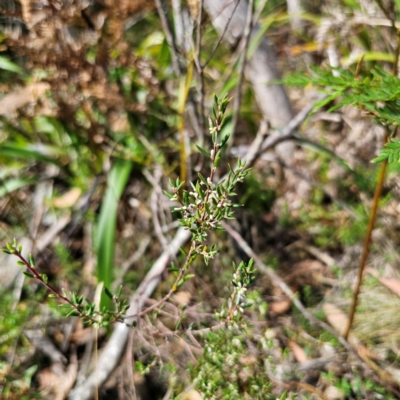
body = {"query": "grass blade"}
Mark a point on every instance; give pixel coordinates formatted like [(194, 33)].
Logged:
[(105, 233)]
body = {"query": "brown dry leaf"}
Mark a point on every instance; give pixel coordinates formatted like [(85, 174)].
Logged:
[(68, 199), (339, 320), (17, 99), (363, 351), (182, 298), (58, 384), (336, 317), (307, 272), (248, 360), (67, 380), (26, 11), (391, 283), (298, 352), (47, 380), (83, 336), (280, 307), (193, 8)]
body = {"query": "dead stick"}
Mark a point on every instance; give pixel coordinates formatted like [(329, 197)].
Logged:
[(378, 191), (367, 245)]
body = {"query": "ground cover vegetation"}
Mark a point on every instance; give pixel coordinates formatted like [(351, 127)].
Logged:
[(199, 199)]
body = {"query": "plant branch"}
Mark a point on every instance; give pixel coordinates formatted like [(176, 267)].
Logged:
[(174, 287), (366, 247), (43, 279), (377, 195), (112, 352)]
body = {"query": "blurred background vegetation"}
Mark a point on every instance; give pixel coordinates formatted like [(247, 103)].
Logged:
[(101, 103)]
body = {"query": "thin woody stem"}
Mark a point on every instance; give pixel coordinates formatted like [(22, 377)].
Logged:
[(173, 289), (58, 294), (39, 277)]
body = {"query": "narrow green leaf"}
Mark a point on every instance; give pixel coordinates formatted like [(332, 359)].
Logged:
[(170, 195), (202, 178), (224, 140), (380, 158), (393, 145), (185, 198), (8, 65), (105, 232), (216, 100), (73, 313), (189, 276), (32, 151), (28, 274), (207, 154), (180, 283), (108, 293), (202, 194), (31, 261)]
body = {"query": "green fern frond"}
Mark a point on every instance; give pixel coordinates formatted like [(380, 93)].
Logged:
[(377, 93), (390, 152)]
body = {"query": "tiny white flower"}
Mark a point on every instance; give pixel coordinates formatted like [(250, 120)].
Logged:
[(236, 342)]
